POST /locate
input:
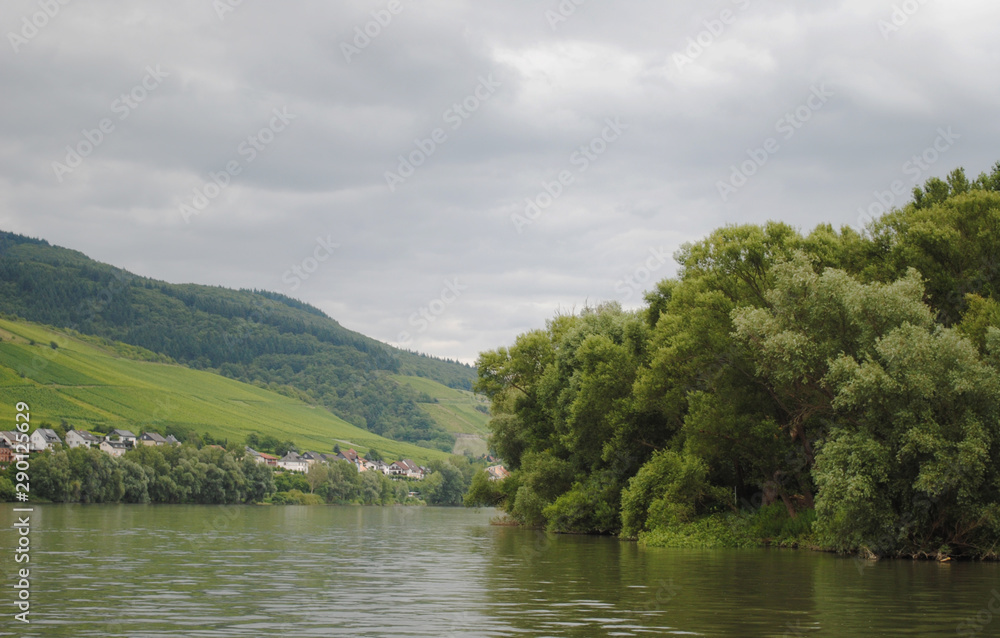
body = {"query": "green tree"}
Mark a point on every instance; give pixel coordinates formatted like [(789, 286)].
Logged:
[(317, 475), (809, 320), (51, 477), (284, 448), (7, 491), (483, 492), (371, 488), (670, 489), (259, 481), (446, 486), (911, 466), (135, 482)]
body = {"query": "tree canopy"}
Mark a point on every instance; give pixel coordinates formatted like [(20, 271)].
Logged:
[(846, 375)]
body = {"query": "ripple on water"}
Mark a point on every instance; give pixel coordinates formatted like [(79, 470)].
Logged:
[(156, 572)]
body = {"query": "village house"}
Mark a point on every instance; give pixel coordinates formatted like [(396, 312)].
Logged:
[(406, 468), (395, 469), (414, 470), (121, 436), (293, 463), (497, 472), (82, 438), (6, 453), (114, 448), (268, 459), (44, 439), (352, 457), (261, 457), (347, 455), (313, 458), (172, 440), (152, 438), (10, 436)]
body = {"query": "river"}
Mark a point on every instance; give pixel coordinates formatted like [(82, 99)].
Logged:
[(213, 571)]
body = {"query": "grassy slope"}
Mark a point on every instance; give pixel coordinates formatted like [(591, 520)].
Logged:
[(455, 410), (86, 384)]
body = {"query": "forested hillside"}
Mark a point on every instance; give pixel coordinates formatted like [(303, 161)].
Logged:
[(846, 378), (258, 337)]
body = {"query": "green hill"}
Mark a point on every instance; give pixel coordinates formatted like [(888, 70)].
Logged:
[(460, 412), (92, 383), (258, 337), (455, 410)]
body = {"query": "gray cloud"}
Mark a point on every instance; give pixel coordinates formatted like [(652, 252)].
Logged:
[(690, 120)]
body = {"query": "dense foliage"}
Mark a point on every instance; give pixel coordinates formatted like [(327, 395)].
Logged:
[(187, 474), (842, 377), (172, 474), (258, 337)]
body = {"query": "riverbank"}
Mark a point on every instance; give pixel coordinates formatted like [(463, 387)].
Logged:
[(769, 527), (766, 527)]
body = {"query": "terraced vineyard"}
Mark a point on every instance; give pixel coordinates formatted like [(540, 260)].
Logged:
[(88, 382), (460, 412)]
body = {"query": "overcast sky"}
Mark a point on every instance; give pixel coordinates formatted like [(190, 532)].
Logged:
[(392, 147)]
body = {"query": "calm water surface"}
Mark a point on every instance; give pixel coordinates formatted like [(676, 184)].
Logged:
[(329, 571)]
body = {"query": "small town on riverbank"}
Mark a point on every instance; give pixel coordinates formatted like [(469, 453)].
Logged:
[(119, 441)]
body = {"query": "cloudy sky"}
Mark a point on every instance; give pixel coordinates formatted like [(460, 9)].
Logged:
[(447, 174)]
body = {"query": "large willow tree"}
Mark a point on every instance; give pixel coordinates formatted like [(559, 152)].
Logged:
[(851, 374)]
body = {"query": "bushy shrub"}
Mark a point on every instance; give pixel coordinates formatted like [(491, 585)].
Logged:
[(671, 488)]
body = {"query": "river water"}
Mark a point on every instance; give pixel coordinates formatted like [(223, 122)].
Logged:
[(214, 571)]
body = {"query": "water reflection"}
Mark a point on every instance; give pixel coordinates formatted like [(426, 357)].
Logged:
[(325, 571)]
